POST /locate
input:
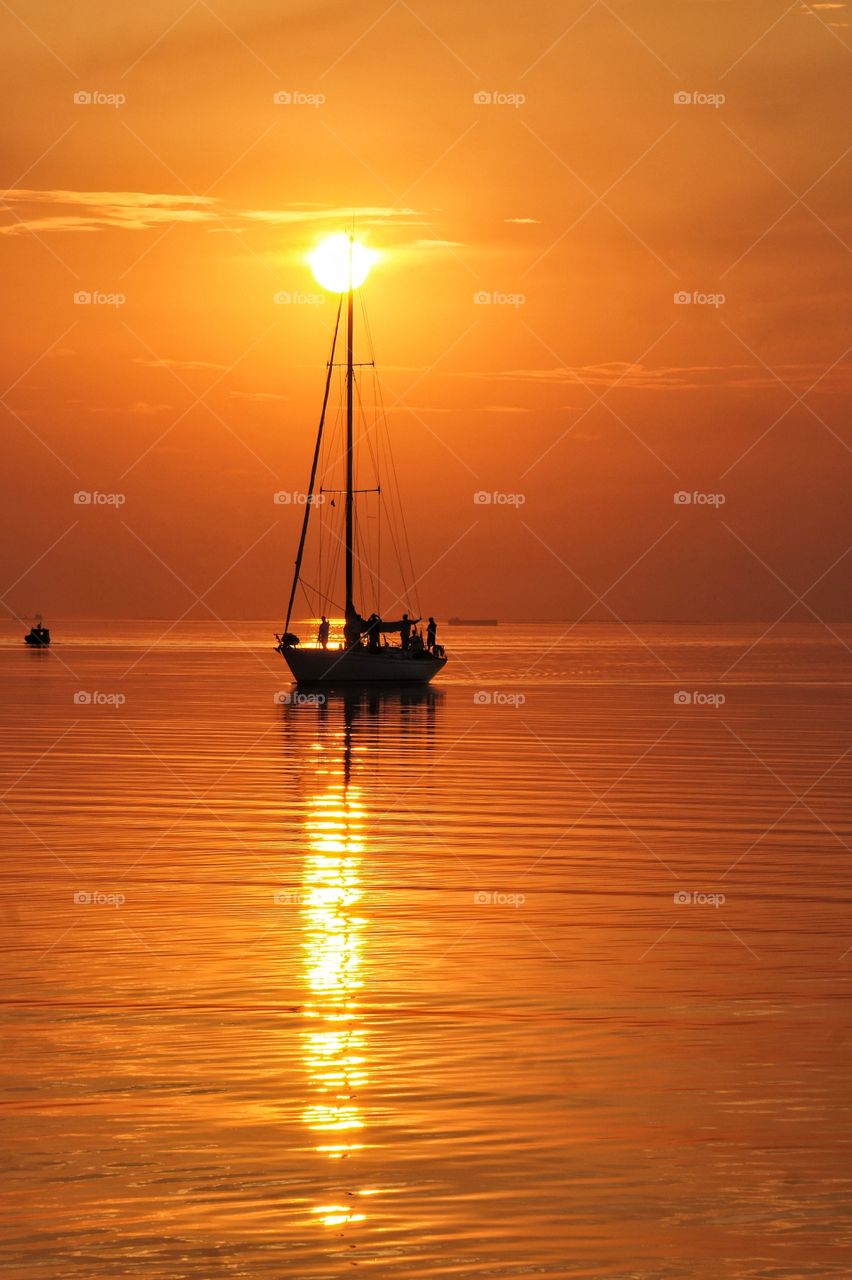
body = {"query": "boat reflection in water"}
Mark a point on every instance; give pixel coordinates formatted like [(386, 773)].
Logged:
[(334, 932)]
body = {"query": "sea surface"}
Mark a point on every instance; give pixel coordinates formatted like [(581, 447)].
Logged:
[(543, 972)]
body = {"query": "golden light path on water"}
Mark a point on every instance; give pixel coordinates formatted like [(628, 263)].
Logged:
[(334, 1044)]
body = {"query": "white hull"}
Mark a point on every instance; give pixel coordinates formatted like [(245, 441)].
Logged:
[(360, 666)]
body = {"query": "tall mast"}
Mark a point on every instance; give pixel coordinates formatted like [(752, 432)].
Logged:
[(310, 495), (350, 379)]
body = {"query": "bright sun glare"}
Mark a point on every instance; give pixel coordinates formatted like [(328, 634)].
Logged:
[(330, 262)]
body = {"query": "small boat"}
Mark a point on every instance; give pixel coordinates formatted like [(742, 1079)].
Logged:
[(38, 636), (472, 622), (366, 656)]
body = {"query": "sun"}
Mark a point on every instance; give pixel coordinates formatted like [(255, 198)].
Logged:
[(337, 258)]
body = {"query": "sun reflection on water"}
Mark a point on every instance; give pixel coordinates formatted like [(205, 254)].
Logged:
[(334, 1043)]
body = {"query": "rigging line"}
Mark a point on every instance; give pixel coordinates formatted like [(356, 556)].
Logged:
[(323, 596), (403, 522), (368, 435), (317, 447), (330, 453), (405, 571), (397, 517), (333, 560), (393, 505)]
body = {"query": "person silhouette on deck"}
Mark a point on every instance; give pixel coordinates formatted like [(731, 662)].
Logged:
[(431, 633), (353, 629), (405, 630), (322, 633), (373, 624)]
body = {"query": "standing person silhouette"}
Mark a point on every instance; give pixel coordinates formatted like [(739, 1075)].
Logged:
[(322, 633), (374, 622), (431, 633), (405, 630)]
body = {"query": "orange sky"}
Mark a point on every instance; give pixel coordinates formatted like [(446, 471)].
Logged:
[(586, 189)]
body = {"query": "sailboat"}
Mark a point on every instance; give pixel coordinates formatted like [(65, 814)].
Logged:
[(366, 655)]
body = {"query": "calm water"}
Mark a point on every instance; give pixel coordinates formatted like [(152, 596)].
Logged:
[(401, 986)]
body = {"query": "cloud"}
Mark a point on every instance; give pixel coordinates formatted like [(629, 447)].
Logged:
[(678, 378), (524, 221), (503, 408), (141, 407), (91, 210), (163, 363), (417, 408), (257, 397), (62, 210), (147, 410)]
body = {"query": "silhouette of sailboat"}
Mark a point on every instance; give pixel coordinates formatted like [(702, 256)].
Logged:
[(366, 655)]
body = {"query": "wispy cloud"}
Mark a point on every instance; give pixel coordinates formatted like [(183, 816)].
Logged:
[(159, 362), (675, 377), (257, 397), (142, 408), (59, 210)]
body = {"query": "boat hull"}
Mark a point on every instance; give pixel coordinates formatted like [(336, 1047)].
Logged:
[(360, 666)]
